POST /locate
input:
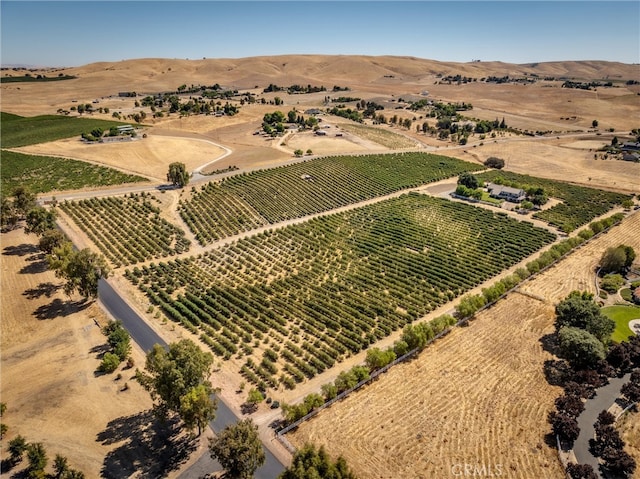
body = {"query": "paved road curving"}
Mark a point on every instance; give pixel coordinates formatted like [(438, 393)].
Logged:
[(146, 338), (604, 399)]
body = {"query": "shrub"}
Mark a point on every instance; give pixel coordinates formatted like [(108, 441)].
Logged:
[(110, 363)]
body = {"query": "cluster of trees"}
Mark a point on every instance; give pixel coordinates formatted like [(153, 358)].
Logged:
[(81, 269), (468, 185), (312, 463), (176, 379), (583, 331), (38, 460), (209, 102), (119, 342), (347, 113), (609, 446), (583, 342)]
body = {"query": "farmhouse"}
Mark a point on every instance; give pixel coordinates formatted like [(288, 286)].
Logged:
[(507, 193), (321, 133), (631, 157)]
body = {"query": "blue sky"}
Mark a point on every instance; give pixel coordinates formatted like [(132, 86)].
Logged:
[(75, 33)]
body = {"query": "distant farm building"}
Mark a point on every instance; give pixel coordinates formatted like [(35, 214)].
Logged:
[(125, 130), (321, 133), (313, 111), (630, 146), (507, 193)]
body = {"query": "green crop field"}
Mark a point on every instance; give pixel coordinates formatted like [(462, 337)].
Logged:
[(244, 202), (622, 315), (22, 131), (316, 292), (42, 174), (579, 204), (127, 230)]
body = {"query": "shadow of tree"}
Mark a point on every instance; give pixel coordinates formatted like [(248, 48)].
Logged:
[(43, 289), (151, 448), (549, 343), (20, 250), (35, 267), (557, 372), (59, 308)]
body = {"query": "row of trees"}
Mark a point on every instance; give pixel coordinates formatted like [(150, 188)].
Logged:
[(583, 342), (37, 460), (80, 269), (414, 337)]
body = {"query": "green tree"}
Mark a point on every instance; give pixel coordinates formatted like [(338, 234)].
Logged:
[(377, 359), (9, 216), (110, 363), (254, 397), (60, 466), (329, 391), (494, 162), (119, 339), (238, 449), (40, 220), (581, 348), (579, 310), (23, 200), (82, 269), (171, 374), (17, 447), (468, 180), (617, 259), (50, 240), (311, 463), (178, 175), (612, 282), (37, 457), (594, 123), (197, 408)]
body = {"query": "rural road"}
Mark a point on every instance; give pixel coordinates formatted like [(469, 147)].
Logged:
[(146, 338), (604, 398)]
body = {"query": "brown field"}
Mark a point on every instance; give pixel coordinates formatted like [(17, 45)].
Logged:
[(472, 404), (481, 397)]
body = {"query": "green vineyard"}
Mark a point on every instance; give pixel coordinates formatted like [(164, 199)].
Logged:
[(244, 202), (579, 204), (127, 230), (294, 301)]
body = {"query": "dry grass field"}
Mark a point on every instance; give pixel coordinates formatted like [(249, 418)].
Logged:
[(629, 428), (50, 353), (476, 397)]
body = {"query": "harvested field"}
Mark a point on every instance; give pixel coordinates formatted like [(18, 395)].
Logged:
[(150, 156), (478, 396)]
